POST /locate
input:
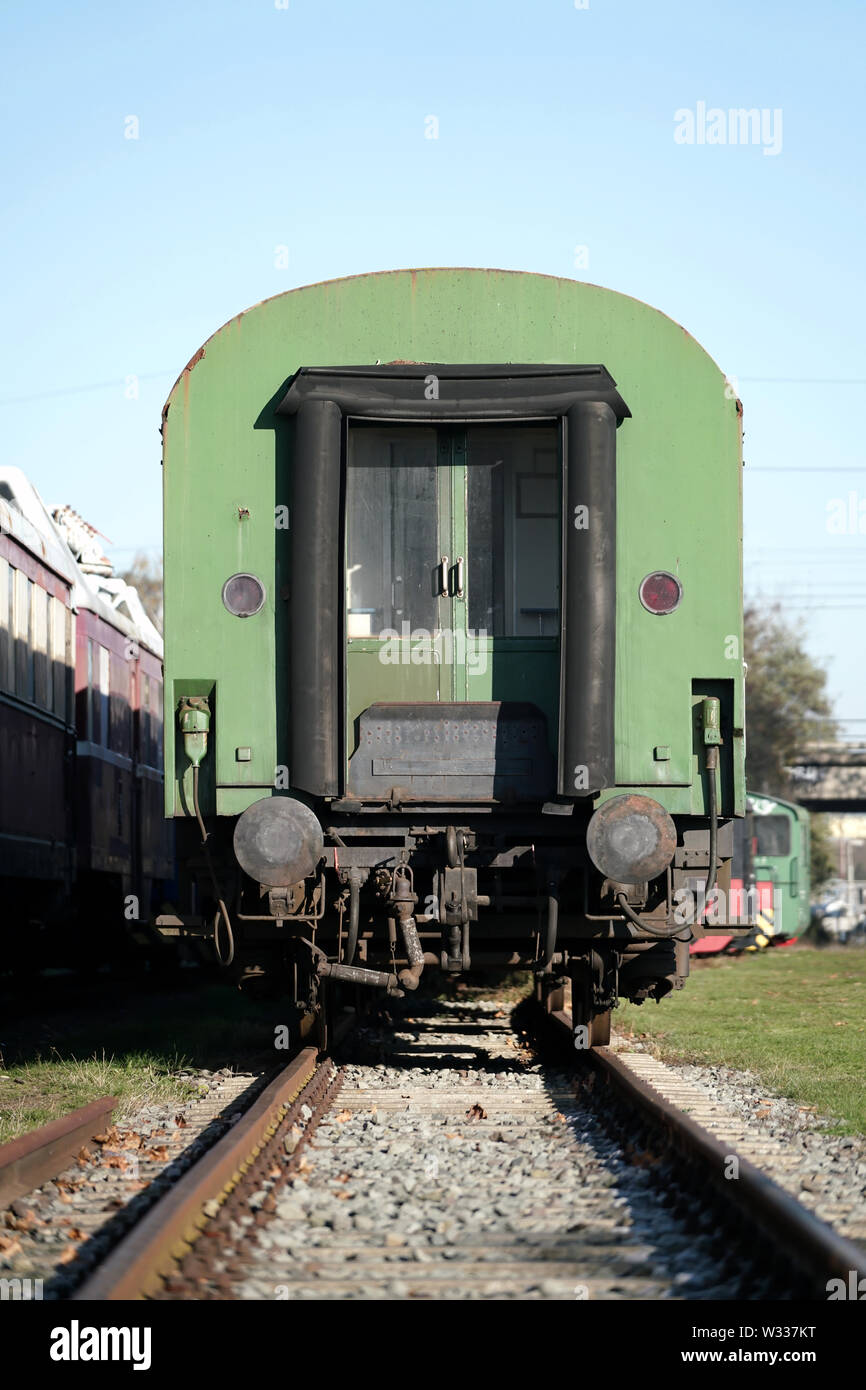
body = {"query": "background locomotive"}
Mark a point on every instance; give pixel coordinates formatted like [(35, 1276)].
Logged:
[(82, 836), (453, 635), (771, 873)]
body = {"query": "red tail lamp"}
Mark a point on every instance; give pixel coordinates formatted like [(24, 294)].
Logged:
[(661, 592)]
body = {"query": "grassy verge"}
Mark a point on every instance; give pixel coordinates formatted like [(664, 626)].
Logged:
[(794, 1017), (144, 1048)]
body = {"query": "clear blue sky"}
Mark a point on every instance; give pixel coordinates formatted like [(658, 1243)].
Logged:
[(305, 126)]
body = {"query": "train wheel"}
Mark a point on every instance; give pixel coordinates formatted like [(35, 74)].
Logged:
[(554, 1002), (600, 1031)]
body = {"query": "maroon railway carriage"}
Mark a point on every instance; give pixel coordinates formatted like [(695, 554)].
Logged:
[(123, 841), (82, 835), (37, 733)]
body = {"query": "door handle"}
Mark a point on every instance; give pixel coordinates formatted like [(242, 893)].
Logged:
[(458, 577), (442, 568)]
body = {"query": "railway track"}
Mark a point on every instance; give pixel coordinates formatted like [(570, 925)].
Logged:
[(446, 1158), (41, 1154)]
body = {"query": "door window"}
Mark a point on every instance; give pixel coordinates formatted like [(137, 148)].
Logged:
[(392, 530), (453, 559), (513, 531)]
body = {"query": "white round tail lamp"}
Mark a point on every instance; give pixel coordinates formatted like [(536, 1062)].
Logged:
[(243, 595)]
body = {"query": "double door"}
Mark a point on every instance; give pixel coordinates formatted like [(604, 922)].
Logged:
[(453, 564)]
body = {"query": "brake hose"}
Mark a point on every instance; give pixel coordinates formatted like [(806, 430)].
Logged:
[(223, 910)]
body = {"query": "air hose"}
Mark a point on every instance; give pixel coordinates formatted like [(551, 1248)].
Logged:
[(665, 933), (711, 719), (194, 721), (224, 960), (712, 739)]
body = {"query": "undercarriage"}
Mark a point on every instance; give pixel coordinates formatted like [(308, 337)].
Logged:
[(399, 894)]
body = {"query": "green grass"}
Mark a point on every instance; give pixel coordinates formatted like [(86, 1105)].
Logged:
[(127, 1044), (33, 1094), (795, 1017)]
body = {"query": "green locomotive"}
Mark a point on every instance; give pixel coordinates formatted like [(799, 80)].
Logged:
[(453, 636)]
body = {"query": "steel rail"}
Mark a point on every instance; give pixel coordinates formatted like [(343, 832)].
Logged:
[(819, 1251), (135, 1266), (32, 1159)]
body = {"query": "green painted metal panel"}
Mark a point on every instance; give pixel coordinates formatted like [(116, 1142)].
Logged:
[(679, 495)]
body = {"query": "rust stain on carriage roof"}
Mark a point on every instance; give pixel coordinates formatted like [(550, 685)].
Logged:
[(196, 357), (185, 374), (184, 377), (339, 283)]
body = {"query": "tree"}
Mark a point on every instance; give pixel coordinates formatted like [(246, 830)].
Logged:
[(823, 855), (145, 575), (787, 706)]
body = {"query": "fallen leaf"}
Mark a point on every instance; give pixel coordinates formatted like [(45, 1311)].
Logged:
[(68, 1255), (762, 1114), (75, 1234), (180, 1121), (476, 1112), (9, 1245), (159, 1155), (84, 1156), (343, 1116), (21, 1223), (109, 1137), (116, 1161), (130, 1140)]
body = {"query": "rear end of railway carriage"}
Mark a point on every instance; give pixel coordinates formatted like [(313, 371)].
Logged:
[(453, 637)]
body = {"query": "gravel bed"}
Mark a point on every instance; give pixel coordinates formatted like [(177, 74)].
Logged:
[(455, 1165), (58, 1232), (825, 1171)]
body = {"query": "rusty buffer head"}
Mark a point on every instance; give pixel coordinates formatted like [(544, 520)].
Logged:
[(631, 839), (278, 841)]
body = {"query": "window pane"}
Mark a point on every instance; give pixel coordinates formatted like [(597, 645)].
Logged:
[(144, 723), (5, 633), (104, 694), (392, 530), (21, 628), (157, 713), (772, 835), (39, 639), (514, 542), (58, 656)]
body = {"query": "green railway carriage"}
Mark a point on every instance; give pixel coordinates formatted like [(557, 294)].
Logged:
[(781, 866), (453, 635)]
